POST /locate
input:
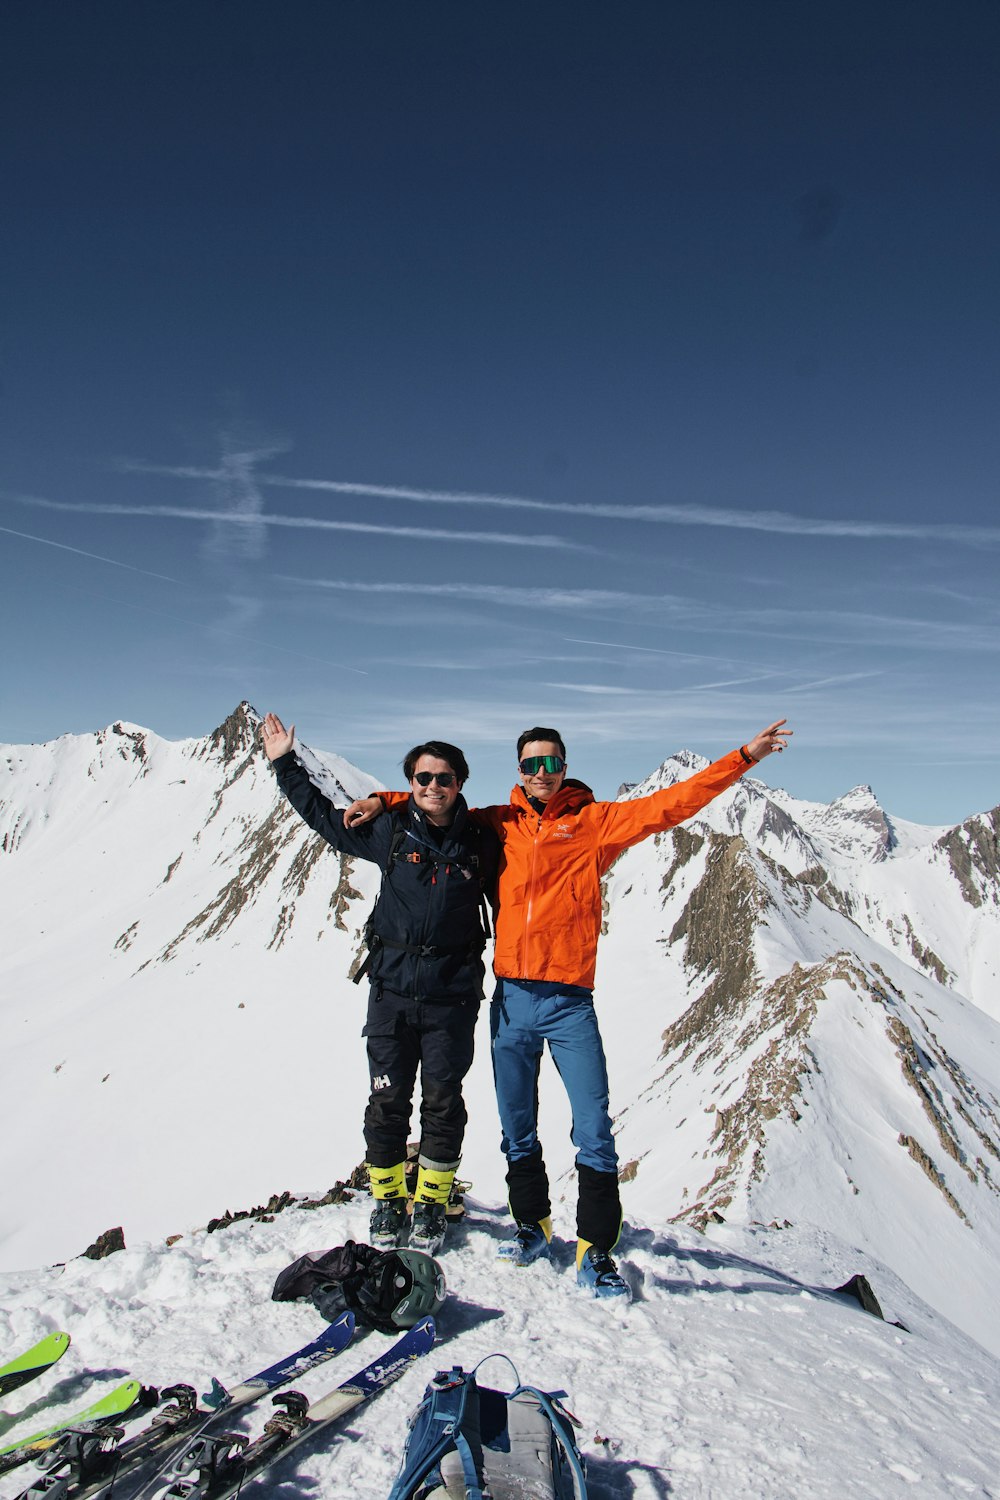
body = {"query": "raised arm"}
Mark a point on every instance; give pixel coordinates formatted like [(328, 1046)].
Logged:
[(626, 823), (312, 806)]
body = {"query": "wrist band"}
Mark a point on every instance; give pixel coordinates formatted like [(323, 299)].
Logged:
[(747, 756)]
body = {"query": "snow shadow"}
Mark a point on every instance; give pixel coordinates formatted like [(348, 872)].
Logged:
[(611, 1479), (71, 1388), (759, 1276), (462, 1317)]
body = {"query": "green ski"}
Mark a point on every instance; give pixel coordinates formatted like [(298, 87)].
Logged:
[(34, 1361), (126, 1399)]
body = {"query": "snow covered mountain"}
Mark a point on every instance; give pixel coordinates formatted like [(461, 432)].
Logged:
[(819, 990), (800, 1006)]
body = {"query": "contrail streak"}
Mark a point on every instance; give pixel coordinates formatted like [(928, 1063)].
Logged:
[(96, 556), (500, 593), (772, 521), (303, 523)]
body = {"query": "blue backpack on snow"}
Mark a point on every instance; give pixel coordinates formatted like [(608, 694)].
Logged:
[(469, 1443)]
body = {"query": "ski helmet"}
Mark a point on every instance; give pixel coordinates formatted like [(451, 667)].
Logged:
[(418, 1288)]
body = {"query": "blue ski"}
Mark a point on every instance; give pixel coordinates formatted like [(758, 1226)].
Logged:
[(218, 1467), (143, 1482)]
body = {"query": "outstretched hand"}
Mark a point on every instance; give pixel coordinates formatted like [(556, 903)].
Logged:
[(276, 739), (365, 810), (769, 740)]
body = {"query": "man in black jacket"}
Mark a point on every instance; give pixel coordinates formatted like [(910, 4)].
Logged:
[(426, 937)]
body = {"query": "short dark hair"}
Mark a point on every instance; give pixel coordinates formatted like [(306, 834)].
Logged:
[(440, 750), (541, 734)]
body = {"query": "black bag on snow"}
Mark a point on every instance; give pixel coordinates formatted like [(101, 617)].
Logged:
[(467, 1442), (385, 1289)]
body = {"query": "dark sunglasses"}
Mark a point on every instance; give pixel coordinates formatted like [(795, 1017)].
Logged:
[(532, 764), (443, 778)]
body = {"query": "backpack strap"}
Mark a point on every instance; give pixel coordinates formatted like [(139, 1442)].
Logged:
[(558, 1419), (371, 941), (445, 1419)]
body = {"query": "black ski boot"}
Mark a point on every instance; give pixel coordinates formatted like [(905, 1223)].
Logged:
[(386, 1225), (428, 1228)]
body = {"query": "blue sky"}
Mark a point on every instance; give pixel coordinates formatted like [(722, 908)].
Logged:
[(441, 370)]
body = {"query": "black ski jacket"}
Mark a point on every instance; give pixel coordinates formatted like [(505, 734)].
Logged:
[(426, 935)]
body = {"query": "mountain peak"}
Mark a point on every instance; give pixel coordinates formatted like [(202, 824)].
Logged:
[(858, 817), (689, 759), (237, 733), (861, 796)]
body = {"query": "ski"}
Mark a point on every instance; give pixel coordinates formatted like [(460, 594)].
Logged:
[(214, 1468), (93, 1462), (222, 1401), (33, 1362), (126, 1400)]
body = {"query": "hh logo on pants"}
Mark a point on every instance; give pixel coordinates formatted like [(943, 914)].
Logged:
[(382, 1082)]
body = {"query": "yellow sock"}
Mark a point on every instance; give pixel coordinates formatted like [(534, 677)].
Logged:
[(434, 1183), (387, 1182)]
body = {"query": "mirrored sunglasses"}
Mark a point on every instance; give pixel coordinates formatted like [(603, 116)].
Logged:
[(532, 764), (443, 778)]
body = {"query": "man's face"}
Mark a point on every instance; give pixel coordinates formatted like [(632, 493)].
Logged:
[(541, 784), (436, 802)]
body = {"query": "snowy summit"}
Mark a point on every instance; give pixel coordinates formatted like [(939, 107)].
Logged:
[(799, 1005)]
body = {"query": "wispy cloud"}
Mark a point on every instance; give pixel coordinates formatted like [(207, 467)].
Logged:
[(95, 556), (651, 650), (828, 626), (743, 681), (505, 594), (596, 689), (238, 489), (773, 521), (254, 519), (806, 687), (851, 627)]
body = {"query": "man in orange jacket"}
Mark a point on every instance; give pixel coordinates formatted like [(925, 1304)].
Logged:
[(557, 844)]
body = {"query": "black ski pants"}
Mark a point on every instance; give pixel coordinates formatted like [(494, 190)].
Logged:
[(438, 1038)]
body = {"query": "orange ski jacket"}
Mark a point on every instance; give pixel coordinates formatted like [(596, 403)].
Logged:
[(549, 915)]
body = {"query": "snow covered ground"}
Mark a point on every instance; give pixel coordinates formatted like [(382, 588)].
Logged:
[(735, 1372)]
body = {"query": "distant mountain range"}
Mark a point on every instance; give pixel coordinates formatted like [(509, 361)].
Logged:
[(800, 1004)]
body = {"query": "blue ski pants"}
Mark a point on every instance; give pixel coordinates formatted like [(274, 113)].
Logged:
[(524, 1016)]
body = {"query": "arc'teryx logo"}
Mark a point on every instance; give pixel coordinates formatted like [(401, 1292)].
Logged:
[(381, 1082)]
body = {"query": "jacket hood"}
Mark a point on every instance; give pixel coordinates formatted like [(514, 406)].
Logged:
[(570, 797)]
